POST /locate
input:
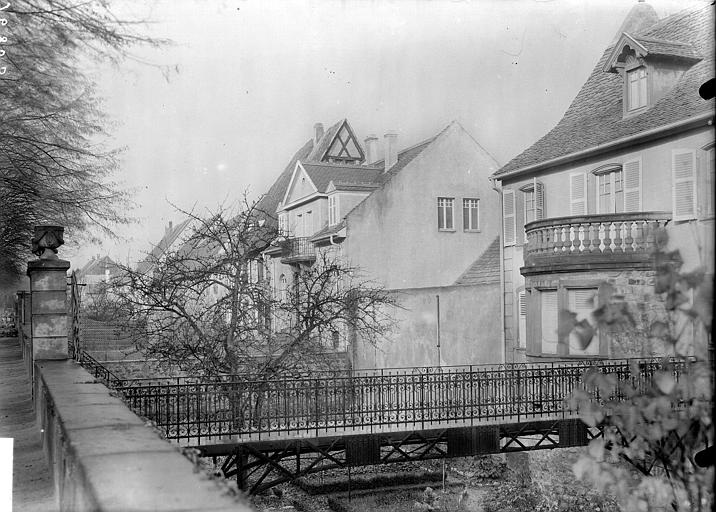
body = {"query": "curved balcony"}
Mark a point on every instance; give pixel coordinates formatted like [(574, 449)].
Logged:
[(586, 242), (297, 250)]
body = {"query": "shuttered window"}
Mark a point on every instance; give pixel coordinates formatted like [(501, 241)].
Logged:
[(632, 185), (582, 302), (578, 193), (534, 202), (549, 317), (707, 203), (522, 318), (508, 216), (332, 210), (683, 167)]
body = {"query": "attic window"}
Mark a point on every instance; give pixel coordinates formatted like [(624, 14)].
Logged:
[(636, 88)]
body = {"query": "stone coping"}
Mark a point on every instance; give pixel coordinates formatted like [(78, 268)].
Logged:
[(105, 458)]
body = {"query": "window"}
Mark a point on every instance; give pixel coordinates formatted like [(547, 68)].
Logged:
[(446, 207), (610, 189), (636, 88), (549, 313), (619, 187), (582, 302), (283, 224), (282, 288), (470, 214), (333, 210), (582, 340)]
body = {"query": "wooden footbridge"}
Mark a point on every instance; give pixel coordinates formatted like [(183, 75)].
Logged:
[(269, 431)]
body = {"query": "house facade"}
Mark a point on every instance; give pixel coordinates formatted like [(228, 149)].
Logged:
[(97, 272), (633, 153), (429, 210)]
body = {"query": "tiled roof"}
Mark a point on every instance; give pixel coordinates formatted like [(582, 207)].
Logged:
[(595, 117), (323, 173), (405, 157), (486, 269), (325, 142), (97, 266), (669, 48), (269, 202), (352, 187), (308, 153), (329, 230), (165, 243)]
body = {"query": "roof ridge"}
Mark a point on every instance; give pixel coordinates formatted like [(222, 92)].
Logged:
[(339, 164), (414, 146), (658, 40), (675, 17)]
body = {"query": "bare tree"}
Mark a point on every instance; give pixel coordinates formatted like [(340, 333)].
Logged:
[(208, 307)]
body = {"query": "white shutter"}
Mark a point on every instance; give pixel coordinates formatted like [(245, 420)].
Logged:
[(549, 319), (683, 168), (632, 185), (539, 200), (582, 302), (508, 216), (522, 318), (707, 203), (578, 193)]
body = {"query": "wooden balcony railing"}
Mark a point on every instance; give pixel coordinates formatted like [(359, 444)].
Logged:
[(592, 238), (297, 249)]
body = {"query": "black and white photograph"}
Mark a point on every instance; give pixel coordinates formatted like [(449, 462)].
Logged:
[(357, 255)]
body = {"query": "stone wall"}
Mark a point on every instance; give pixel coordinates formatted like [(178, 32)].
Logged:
[(469, 329), (104, 457)]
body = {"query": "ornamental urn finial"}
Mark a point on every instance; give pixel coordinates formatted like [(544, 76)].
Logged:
[(46, 241)]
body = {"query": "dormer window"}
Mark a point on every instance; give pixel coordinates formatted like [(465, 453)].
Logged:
[(649, 68), (636, 88)]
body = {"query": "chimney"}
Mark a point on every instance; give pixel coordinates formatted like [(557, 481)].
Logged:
[(318, 132), (391, 149), (371, 149)]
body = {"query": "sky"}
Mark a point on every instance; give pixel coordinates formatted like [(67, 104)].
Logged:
[(223, 107)]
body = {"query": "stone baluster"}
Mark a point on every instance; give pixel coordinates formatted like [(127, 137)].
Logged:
[(603, 236), (618, 236)]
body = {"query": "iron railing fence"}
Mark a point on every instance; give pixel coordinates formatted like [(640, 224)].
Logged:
[(294, 374), (99, 371), (252, 409)]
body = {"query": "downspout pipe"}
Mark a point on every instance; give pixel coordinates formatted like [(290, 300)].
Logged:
[(498, 188)]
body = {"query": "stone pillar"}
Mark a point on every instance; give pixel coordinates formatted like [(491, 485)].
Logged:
[(48, 291)]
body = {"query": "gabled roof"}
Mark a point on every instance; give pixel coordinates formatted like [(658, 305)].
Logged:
[(269, 202), (644, 47), (595, 117), (484, 270), (666, 48), (309, 152), (170, 236), (97, 266), (322, 174), (319, 151)]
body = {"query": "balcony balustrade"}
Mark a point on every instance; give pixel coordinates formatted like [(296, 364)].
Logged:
[(297, 250), (585, 242)]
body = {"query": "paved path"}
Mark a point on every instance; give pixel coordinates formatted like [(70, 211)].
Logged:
[(33, 488)]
